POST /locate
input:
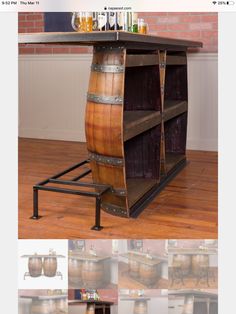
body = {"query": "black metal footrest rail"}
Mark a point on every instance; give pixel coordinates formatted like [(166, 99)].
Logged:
[(58, 273), (100, 189)]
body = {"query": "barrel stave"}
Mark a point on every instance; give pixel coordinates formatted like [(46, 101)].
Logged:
[(35, 266), (199, 261), (148, 274), (50, 266), (75, 271), (93, 274)]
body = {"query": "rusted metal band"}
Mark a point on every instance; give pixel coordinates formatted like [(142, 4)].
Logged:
[(101, 99), (107, 68), (162, 65), (114, 161), (108, 48), (114, 210), (119, 192)]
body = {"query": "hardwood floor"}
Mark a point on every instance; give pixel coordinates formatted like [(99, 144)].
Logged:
[(186, 208)]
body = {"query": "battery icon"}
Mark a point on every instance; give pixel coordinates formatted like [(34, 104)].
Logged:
[(230, 2)]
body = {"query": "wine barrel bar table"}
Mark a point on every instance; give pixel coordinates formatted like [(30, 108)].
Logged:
[(136, 118), (89, 271), (140, 304), (192, 262), (42, 265), (93, 307), (144, 269), (197, 302), (48, 304)]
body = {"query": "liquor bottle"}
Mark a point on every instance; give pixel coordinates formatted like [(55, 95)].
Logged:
[(103, 21), (113, 20), (134, 22)]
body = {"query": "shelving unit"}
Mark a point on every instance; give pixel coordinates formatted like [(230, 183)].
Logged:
[(136, 114)]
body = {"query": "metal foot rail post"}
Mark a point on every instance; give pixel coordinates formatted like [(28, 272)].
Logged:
[(100, 189), (35, 204), (97, 225)]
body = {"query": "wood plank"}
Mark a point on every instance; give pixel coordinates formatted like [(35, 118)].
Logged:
[(173, 108), (137, 187), (172, 160), (134, 60), (176, 60), (136, 122), (186, 208), (141, 60)]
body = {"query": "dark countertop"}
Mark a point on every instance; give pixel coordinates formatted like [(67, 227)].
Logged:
[(88, 257), (195, 293), (135, 299), (44, 297), (43, 256), (191, 251), (108, 37), (100, 302), (143, 259)]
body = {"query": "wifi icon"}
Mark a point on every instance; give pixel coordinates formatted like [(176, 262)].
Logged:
[(214, 2)]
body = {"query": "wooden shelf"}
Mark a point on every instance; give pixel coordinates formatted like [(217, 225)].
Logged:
[(137, 187), (176, 60), (139, 121), (137, 60), (172, 159), (173, 108)]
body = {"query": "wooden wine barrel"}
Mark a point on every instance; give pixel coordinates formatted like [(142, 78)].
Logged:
[(140, 307), (148, 274), (184, 261), (134, 267), (104, 126), (50, 266), (75, 271), (199, 261), (43, 307), (93, 274), (90, 309), (35, 266)]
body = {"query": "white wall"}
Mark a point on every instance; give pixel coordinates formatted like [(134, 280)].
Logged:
[(52, 97)]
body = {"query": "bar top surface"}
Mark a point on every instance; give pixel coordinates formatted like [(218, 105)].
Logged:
[(88, 257), (191, 251), (142, 259), (98, 302), (44, 297), (108, 37), (135, 298), (196, 293), (42, 256)]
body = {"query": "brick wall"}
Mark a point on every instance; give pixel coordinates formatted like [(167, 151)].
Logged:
[(194, 26)]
